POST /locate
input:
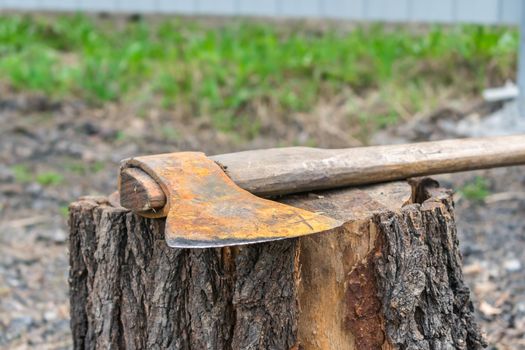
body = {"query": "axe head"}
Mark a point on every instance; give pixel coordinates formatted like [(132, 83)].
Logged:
[(205, 208)]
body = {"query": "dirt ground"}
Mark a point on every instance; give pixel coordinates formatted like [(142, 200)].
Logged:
[(52, 153)]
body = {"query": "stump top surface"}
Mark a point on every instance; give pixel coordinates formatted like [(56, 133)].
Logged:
[(349, 204)]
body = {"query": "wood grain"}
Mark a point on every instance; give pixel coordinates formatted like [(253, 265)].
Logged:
[(279, 171), (142, 192)]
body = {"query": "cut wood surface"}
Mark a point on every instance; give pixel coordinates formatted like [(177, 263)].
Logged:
[(142, 192), (281, 171), (390, 278)]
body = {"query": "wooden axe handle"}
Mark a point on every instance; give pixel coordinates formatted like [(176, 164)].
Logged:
[(279, 171)]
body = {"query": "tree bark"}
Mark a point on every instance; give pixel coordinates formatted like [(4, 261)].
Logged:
[(389, 279)]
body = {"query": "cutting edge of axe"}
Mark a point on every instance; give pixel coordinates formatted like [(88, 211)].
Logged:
[(280, 171)]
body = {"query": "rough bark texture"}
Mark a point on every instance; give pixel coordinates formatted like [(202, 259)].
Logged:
[(389, 279)]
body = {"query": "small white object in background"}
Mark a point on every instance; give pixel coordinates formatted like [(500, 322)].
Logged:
[(509, 91), (512, 265), (506, 121)]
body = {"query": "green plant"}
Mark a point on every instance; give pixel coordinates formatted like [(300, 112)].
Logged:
[(64, 211), (476, 190), (97, 166), (170, 133), (49, 178), (120, 135), (83, 168), (21, 173)]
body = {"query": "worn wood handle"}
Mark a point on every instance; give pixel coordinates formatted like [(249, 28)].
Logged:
[(279, 171)]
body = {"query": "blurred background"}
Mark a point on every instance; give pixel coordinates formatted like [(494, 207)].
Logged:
[(86, 84)]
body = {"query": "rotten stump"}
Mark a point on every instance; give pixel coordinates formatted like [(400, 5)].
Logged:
[(389, 279)]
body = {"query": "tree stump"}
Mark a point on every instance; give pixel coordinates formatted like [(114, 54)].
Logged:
[(389, 279)]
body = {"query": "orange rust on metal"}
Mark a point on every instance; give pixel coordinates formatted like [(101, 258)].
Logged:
[(205, 208)]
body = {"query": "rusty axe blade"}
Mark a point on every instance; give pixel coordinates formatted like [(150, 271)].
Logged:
[(205, 208)]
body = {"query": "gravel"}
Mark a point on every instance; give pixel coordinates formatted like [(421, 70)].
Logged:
[(82, 145)]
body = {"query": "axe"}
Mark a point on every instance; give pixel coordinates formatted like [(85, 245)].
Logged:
[(218, 201)]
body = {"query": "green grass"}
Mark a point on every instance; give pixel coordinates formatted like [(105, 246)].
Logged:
[(476, 190), (64, 211), (23, 174), (170, 133), (84, 168), (49, 178), (225, 71)]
